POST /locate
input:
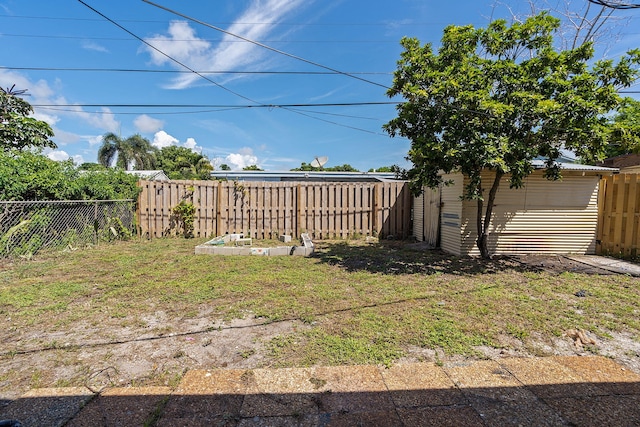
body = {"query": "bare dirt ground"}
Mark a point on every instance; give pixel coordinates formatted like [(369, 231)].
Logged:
[(159, 352)]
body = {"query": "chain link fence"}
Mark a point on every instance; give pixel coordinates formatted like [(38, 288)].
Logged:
[(29, 227)]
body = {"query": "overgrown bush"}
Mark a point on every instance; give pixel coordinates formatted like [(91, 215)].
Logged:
[(27, 175)]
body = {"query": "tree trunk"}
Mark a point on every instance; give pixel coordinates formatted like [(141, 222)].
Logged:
[(483, 225)]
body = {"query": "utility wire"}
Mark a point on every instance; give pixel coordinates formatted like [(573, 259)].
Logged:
[(295, 24), (168, 56), (45, 36), (217, 110), (137, 70), (262, 44), (155, 113), (333, 104), (214, 82), (613, 4)]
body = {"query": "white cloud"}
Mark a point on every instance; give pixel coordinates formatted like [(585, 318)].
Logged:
[(58, 155), (237, 161), (39, 90), (49, 119), (162, 139), (41, 93), (89, 45), (191, 144), (183, 44), (104, 120), (94, 140), (147, 124)]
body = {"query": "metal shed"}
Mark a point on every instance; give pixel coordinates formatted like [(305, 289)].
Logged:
[(543, 217)]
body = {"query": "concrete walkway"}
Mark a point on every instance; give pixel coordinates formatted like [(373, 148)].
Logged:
[(550, 391), (614, 265)]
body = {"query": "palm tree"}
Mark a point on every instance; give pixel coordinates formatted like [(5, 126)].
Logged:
[(135, 150)]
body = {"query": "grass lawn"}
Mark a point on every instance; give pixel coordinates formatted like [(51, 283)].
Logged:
[(359, 303)]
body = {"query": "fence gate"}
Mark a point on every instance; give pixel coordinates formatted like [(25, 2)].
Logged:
[(619, 215)]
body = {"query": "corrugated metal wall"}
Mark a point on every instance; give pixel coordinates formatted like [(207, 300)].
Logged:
[(426, 216), (418, 217), (450, 215), (542, 217)]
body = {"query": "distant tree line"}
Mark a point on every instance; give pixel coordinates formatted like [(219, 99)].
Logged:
[(137, 152), (343, 168)]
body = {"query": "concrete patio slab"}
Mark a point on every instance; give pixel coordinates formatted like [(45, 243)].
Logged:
[(353, 389), (282, 392), (209, 397), (441, 416), (122, 406), (598, 411), (604, 373), (553, 391), (52, 407), (421, 385), (500, 398), (547, 378)]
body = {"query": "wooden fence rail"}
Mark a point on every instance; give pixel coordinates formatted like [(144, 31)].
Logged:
[(265, 210), (619, 215)]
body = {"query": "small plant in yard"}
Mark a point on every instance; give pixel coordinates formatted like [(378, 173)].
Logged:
[(184, 215), (245, 354)]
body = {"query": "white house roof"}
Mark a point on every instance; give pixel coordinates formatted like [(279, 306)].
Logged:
[(540, 164), (312, 176), (151, 175)]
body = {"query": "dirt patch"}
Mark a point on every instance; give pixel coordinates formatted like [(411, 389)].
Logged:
[(158, 348), (557, 264), (158, 354)]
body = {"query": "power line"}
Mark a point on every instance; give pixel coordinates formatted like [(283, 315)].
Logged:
[(295, 24), (41, 36), (137, 70), (155, 113), (218, 84), (332, 104), (168, 56), (263, 45), (616, 4)]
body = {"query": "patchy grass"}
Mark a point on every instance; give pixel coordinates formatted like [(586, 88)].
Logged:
[(361, 303)]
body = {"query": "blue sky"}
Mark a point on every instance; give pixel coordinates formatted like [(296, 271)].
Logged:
[(91, 76)]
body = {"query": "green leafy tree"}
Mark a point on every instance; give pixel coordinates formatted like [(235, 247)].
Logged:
[(26, 175), (625, 130), (17, 130), (494, 99), (106, 184), (251, 168), (344, 168), (400, 173), (382, 169), (183, 163), (225, 167), (306, 167), (134, 150), (88, 166)]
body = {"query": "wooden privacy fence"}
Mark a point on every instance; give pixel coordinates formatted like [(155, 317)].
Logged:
[(618, 215), (265, 210)]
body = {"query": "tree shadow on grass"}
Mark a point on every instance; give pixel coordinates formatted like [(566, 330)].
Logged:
[(400, 257)]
